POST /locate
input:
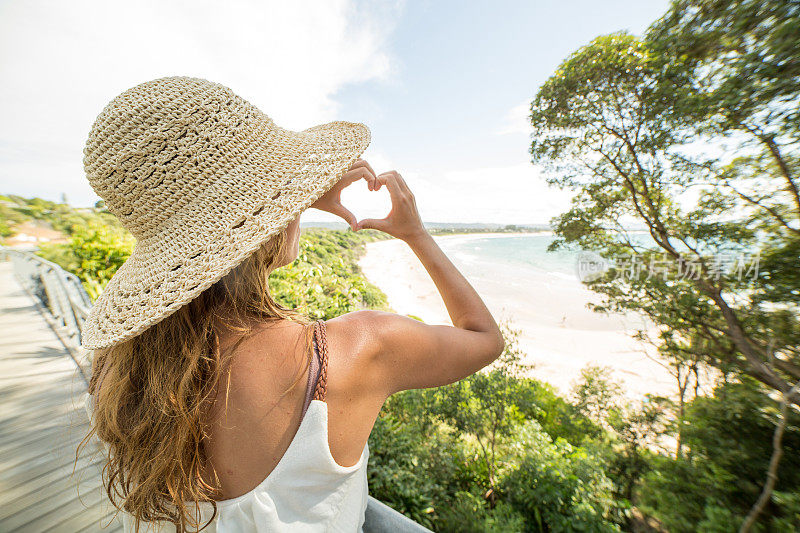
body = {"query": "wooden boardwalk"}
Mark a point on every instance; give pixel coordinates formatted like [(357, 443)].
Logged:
[(42, 419)]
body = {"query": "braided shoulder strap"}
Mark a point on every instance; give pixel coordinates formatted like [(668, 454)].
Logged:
[(320, 333)]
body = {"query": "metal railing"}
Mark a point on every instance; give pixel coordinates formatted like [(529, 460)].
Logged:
[(59, 294), (380, 518), (65, 304)]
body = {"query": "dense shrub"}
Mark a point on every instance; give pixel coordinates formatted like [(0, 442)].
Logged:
[(325, 281), (93, 253), (557, 486), (715, 485)]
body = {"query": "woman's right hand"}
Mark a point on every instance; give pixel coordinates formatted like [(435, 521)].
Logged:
[(403, 221)]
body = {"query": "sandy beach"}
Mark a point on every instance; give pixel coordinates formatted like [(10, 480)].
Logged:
[(558, 334)]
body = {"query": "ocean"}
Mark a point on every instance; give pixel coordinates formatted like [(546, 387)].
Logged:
[(538, 293), (526, 251)]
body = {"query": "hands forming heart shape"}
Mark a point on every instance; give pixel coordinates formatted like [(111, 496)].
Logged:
[(402, 222)]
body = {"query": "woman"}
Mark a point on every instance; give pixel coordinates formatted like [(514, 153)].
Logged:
[(218, 407)]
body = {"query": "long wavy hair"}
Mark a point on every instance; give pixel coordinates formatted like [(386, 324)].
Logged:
[(151, 394)]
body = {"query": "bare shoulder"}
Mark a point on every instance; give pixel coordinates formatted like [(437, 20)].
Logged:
[(367, 332), (356, 344), (397, 352), (356, 391), (384, 349), (356, 334)]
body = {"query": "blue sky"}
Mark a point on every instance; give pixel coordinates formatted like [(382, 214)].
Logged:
[(444, 86)]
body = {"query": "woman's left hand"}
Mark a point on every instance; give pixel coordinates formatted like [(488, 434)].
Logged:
[(331, 201)]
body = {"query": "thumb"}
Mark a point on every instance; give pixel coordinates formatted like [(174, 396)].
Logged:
[(374, 223)]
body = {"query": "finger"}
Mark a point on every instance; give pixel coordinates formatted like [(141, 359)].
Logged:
[(359, 173), (373, 223), (390, 180), (351, 176), (342, 211), (370, 173), (359, 162), (402, 182), (372, 180)]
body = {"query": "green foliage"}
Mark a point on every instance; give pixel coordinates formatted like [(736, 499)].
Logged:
[(596, 393), (557, 416), (632, 429), (93, 253), (470, 512), (556, 486), (789, 504), (489, 464), (396, 454), (742, 58), (489, 404), (732, 431), (637, 428), (716, 484), (325, 281), (5, 229), (61, 217)]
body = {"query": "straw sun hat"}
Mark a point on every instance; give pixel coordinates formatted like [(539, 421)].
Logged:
[(201, 178)]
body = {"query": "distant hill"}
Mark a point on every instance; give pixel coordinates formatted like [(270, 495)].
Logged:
[(448, 227), (18, 215), (30, 221)]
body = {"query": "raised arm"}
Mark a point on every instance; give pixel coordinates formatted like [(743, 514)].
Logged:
[(407, 353)]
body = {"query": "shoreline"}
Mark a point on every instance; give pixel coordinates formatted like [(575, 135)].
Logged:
[(489, 234), (558, 334)]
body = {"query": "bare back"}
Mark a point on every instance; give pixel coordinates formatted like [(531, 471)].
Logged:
[(251, 426)]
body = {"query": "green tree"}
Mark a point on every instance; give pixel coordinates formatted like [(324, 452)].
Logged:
[(556, 486), (488, 405), (714, 487), (633, 427), (325, 281), (615, 123), (595, 394), (469, 512), (638, 427), (632, 124)]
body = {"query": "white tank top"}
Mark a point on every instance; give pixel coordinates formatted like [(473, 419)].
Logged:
[(308, 491)]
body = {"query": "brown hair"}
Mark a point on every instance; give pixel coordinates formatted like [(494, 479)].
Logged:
[(157, 386)]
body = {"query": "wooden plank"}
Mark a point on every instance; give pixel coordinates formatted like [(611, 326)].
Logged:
[(44, 431), (28, 420), (16, 498), (46, 515), (55, 489), (21, 455), (42, 421), (21, 475), (61, 425)]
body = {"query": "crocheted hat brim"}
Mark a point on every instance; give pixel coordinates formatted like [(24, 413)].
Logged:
[(186, 256)]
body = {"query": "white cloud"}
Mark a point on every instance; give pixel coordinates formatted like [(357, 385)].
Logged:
[(61, 62), (512, 194), (516, 120)]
